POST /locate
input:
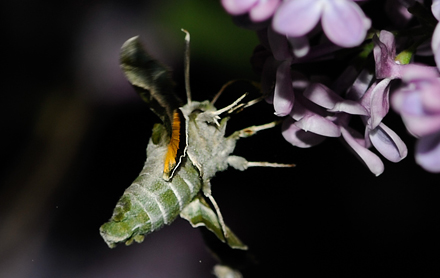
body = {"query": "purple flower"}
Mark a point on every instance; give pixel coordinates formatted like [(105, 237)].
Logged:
[(297, 136), (435, 43), (283, 93), (343, 21), (419, 105), (384, 56), (419, 101), (356, 141), (259, 10), (315, 111), (318, 112)]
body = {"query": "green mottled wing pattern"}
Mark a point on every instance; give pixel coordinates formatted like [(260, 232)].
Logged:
[(151, 80)]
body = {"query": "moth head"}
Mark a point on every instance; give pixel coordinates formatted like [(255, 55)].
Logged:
[(200, 111)]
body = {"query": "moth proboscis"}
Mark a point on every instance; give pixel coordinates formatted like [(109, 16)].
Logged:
[(183, 154)]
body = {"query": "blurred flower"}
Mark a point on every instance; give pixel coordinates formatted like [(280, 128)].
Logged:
[(397, 11), (259, 10), (419, 105), (343, 21), (283, 92), (435, 43), (316, 108)]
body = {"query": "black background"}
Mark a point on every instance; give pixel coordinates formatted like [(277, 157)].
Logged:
[(74, 137)]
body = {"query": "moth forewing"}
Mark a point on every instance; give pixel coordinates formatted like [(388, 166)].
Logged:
[(151, 80)]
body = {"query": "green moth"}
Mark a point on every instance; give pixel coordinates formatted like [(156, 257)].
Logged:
[(183, 154)]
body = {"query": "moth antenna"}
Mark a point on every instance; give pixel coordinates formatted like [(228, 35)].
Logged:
[(227, 84), (187, 52), (221, 90)]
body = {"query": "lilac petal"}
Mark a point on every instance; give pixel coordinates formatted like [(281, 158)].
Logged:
[(283, 94), (264, 10), (310, 121), (297, 18), (387, 38), (300, 46), (323, 96), (435, 8), (428, 152), (350, 107), (435, 45), (236, 7), (279, 45), (422, 125), (344, 23), (413, 72), (379, 105), (408, 104), (360, 85), (388, 143), (298, 137), (319, 125), (371, 160), (430, 97), (384, 55)]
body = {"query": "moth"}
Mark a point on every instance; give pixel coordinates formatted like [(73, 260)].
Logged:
[(184, 153)]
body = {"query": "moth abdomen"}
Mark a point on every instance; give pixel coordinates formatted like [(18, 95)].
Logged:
[(150, 202), (124, 224)]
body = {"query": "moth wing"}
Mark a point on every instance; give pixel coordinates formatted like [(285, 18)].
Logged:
[(151, 79), (198, 213)]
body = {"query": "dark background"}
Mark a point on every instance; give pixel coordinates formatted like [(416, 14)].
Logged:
[(74, 137)]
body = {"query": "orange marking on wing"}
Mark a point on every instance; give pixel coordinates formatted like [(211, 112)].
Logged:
[(173, 146)]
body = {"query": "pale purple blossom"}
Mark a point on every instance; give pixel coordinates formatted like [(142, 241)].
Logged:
[(384, 56), (297, 33), (419, 105), (319, 112), (259, 10), (316, 111), (435, 42), (343, 21), (283, 92)]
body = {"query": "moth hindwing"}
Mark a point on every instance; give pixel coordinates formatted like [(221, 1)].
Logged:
[(183, 154)]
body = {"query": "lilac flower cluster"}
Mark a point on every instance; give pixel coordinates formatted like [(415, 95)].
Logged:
[(317, 105)]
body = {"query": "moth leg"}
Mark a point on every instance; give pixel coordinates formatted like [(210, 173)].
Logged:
[(240, 163), (207, 192)]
